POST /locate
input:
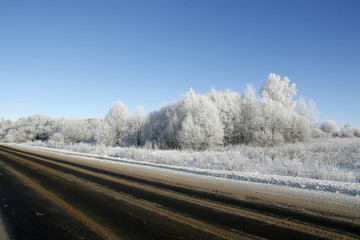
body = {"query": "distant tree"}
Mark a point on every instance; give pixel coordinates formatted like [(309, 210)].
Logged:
[(307, 109), (276, 124), (249, 117), (249, 93), (42, 126), (357, 132), (14, 136), (270, 123), (116, 119), (228, 104), (163, 126), (318, 133), (5, 126), (347, 131), (277, 120), (136, 127), (193, 122), (201, 128), (73, 130), (57, 137), (36, 127), (93, 124), (329, 127), (277, 89), (103, 134)]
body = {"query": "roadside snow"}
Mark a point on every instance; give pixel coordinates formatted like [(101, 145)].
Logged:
[(114, 156), (3, 233)]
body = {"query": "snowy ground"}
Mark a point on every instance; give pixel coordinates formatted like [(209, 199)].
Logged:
[(3, 233), (331, 165)]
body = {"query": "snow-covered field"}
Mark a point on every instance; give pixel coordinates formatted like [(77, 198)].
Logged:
[(322, 164)]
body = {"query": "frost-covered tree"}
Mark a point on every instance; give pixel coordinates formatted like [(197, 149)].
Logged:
[(270, 123), (228, 104), (103, 133), (201, 128), (277, 124), (57, 137), (357, 132), (93, 124), (163, 126), (5, 126), (276, 120), (73, 130), (347, 131), (14, 136), (193, 122), (307, 109), (249, 117), (249, 93), (36, 127), (41, 126), (116, 119), (329, 127), (298, 129), (136, 127), (279, 90)]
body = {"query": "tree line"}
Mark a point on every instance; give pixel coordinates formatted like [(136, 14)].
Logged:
[(196, 121)]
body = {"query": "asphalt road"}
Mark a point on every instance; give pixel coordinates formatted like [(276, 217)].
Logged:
[(48, 196)]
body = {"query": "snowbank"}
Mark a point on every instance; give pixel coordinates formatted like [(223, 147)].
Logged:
[(331, 165)]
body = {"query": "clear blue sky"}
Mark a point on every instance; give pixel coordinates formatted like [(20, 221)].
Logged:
[(75, 58)]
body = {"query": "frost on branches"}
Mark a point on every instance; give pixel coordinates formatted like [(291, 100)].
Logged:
[(116, 121), (278, 90), (199, 122)]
